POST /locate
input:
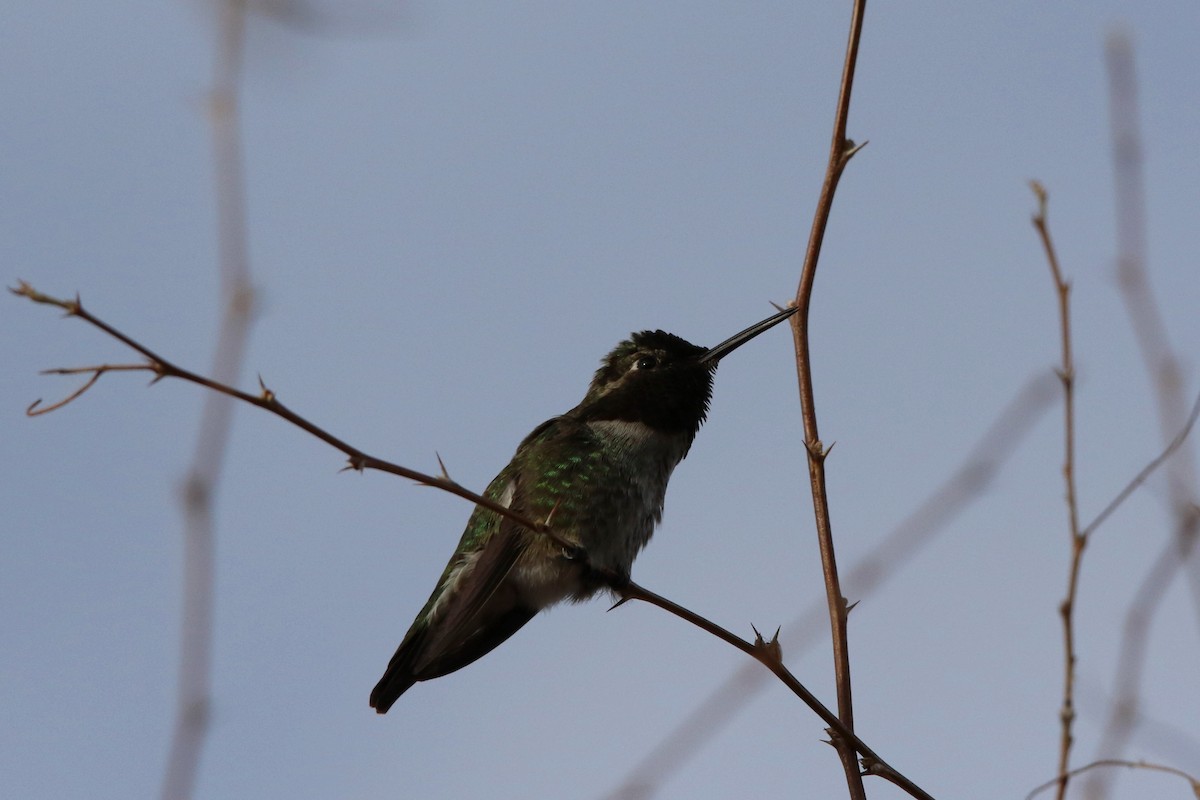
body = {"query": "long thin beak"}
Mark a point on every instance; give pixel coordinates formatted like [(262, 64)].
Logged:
[(737, 340)]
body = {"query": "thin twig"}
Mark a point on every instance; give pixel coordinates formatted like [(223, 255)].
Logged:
[(1066, 609), (36, 409), (1117, 762), (766, 652), (266, 400), (840, 153), (1147, 470)]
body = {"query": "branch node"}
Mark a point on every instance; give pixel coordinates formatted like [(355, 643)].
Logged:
[(767, 652), (871, 766)]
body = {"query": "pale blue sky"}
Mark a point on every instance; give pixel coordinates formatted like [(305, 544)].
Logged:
[(453, 215)]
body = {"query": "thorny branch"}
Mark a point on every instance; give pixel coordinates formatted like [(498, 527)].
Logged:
[(266, 400), (931, 517), (769, 654), (766, 652), (840, 152)]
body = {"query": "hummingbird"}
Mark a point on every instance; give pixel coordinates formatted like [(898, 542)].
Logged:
[(599, 473)]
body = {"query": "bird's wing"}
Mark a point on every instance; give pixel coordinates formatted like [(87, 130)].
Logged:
[(466, 628), (448, 643)]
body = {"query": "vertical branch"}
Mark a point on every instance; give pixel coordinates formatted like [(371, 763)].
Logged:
[(195, 652), (1165, 375), (841, 151), (971, 481), (1066, 374)]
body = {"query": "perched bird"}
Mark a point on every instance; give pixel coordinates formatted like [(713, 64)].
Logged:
[(599, 472)]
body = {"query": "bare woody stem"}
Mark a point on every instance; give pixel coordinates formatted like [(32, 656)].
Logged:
[(840, 153), (766, 652), (1066, 610), (266, 400), (769, 654)]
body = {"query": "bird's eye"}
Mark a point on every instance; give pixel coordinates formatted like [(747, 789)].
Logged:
[(647, 362)]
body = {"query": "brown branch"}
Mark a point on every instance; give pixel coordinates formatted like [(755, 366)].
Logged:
[(1066, 609), (266, 400), (770, 656), (969, 482), (840, 152), (1117, 762), (36, 409), (766, 652), (966, 484)]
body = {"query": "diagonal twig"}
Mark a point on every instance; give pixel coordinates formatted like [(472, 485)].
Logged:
[(1118, 762), (768, 653), (267, 400)]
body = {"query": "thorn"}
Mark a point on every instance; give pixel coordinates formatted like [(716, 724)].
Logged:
[(618, 604), (442, 466), (871, 766), (550, 516), (768, 650), (851, 149), (267, 395), (851, 607)]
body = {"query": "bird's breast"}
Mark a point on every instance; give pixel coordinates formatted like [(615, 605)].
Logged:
[(626, 509)]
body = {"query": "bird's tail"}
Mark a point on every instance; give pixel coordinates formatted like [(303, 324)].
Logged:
[(394, 683)]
